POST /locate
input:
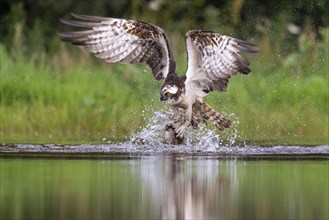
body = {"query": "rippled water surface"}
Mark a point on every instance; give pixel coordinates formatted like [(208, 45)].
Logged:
[(156, 181)]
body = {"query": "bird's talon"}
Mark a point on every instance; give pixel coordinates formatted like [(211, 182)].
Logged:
[(180, 131)]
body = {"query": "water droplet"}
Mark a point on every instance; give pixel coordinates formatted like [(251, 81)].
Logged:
[(203, 139)]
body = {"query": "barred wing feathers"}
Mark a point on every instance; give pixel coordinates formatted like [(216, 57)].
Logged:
[(214, 58), (122, 40)]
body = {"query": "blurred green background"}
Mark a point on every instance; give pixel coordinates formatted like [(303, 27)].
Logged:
[(52, 92)]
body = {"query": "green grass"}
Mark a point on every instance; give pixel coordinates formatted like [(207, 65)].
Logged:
[(84, 104), (279, 110), (279, 103)]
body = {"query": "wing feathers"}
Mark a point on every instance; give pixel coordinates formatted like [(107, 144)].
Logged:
[(121, 40), (214, 58), (90, 17), (80, 23)]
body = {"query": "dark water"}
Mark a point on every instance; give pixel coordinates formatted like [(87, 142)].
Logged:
[(108, 182)]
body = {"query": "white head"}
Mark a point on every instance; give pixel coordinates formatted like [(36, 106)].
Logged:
[(170, 94), (172, 89)]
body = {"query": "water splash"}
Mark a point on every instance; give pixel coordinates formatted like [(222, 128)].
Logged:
[(205, 138), (153, 133)]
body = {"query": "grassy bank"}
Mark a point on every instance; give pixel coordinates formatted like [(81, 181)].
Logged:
[(283, 101)]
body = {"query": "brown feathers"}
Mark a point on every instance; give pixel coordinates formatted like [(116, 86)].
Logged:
[(214, 58), (122, 40)]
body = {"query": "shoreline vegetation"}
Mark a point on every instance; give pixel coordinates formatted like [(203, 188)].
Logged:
[(68, 96)]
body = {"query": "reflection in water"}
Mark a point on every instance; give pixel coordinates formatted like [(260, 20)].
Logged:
[(163, 187), (190, 189)]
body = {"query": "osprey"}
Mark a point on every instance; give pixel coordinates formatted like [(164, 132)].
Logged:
[(212, 59)]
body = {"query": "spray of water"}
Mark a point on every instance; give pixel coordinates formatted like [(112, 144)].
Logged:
[(205, 138)]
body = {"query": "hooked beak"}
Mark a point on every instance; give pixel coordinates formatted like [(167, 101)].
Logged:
[(163, 97)]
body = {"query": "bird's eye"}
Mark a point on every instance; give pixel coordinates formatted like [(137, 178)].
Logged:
[(167, 94)]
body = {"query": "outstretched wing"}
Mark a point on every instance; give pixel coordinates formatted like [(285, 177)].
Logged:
[(214, 58), (122, 40)]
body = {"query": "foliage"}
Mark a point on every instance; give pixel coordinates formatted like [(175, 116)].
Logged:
[(38, 19), (54, 92)]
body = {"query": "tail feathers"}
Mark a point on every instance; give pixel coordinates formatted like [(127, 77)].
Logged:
[(219, 121)]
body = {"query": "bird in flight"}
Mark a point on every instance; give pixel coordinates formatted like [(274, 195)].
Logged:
[(212, 59)]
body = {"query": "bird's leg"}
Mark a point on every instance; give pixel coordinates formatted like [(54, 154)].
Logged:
[(188, 116), (174, 117)]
